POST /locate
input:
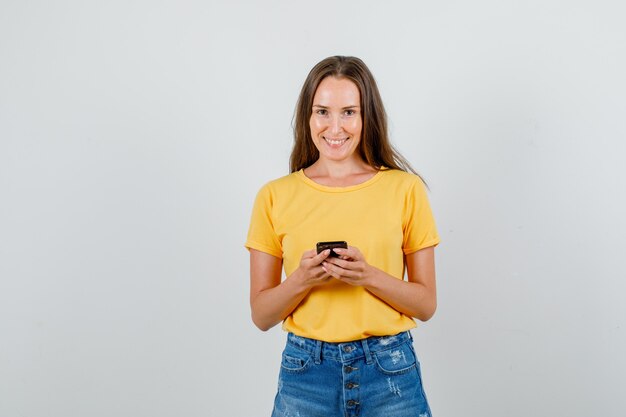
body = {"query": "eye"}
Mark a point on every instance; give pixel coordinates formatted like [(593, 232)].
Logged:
[(350, 112), (321, 112)]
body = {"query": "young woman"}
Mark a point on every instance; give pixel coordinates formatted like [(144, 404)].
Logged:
[(347, 311)]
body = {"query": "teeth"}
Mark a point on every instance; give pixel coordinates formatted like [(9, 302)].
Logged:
[(335, 142)]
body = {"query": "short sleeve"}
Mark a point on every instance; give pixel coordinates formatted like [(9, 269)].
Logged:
[(419, 226), (261, 233)]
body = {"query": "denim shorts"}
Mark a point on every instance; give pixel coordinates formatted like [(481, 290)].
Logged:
[(373, 377)]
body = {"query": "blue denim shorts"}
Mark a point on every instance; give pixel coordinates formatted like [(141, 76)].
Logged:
[(373, 377)]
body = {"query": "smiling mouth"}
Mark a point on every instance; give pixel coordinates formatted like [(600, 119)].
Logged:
[(335, 142)]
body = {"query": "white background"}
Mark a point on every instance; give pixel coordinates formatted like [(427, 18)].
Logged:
[(135, 134)]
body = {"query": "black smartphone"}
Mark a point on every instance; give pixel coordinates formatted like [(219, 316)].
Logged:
[(322, 246)]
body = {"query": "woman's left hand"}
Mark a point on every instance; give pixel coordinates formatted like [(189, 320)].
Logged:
[(350, 267), (416, 297)]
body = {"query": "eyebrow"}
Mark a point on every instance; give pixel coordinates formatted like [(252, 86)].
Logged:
[(343, 108)]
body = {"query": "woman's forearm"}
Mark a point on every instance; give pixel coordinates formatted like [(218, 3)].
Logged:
[(271, 300), (273, 305), (411, 298), (416, 297)]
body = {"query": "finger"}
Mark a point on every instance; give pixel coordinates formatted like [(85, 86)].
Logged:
[(325, 276), (352, 252), (342, 263), (353, 273), (317, 259), (333, 270), (332, 274), (320, 272)]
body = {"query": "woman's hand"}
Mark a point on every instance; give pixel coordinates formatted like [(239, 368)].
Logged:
[(311, 273), (350, 267), (272, 300), (416, 297)]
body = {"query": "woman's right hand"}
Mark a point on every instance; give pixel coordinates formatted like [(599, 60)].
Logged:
[(272, 301), (311, 273)]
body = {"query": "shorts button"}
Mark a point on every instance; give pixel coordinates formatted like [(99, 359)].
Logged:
[(351, 385), (348, 348), (349, 369), (352, 403)]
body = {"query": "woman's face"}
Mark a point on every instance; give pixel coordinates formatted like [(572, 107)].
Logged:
[(336, 121)]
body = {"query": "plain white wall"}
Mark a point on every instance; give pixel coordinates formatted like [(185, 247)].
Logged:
[(135, 134)]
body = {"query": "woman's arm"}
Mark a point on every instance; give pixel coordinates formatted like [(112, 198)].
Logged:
[(416, 297), (272, 301)]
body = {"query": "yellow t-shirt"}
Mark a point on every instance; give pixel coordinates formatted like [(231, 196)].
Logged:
[(385, 217)]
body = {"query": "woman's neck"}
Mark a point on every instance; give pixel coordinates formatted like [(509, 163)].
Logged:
[(339, 174)]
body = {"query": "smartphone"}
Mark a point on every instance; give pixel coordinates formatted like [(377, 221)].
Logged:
[(322, 246)]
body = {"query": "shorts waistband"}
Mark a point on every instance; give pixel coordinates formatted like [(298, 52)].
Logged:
[(348, 351)]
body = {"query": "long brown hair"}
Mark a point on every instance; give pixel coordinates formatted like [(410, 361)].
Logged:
[(375, 147)]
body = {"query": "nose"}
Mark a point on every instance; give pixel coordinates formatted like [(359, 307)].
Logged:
[(336, 125)]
